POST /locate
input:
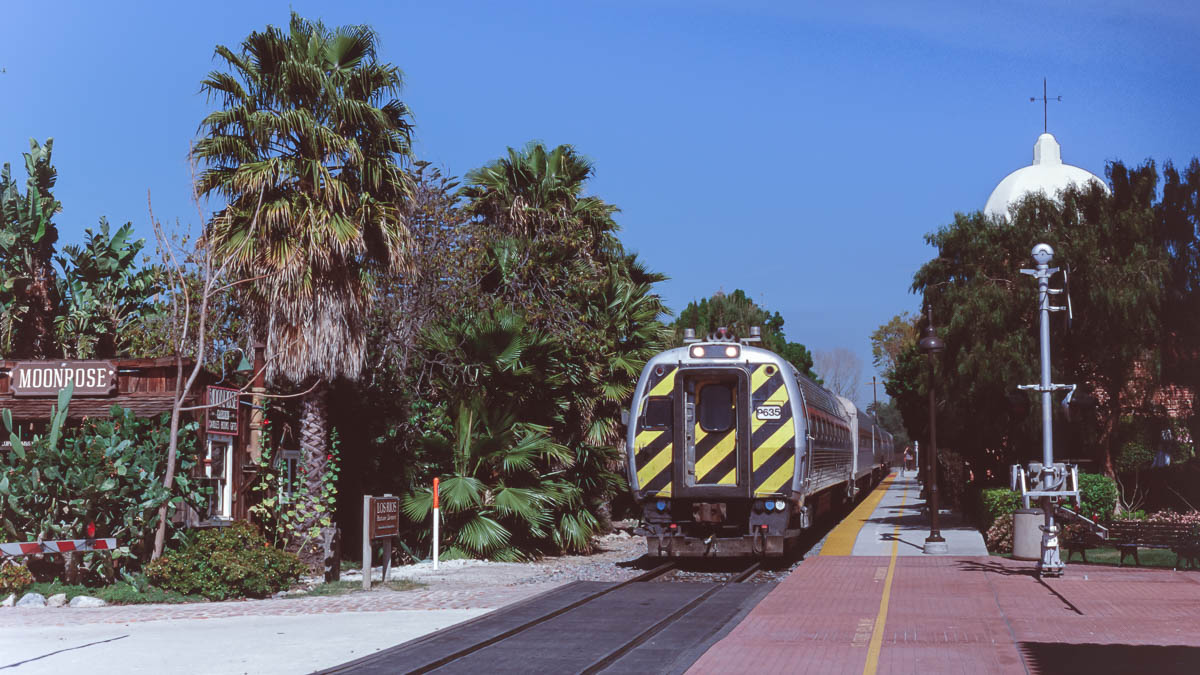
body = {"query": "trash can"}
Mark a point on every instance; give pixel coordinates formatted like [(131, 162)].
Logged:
[(1027, 534)]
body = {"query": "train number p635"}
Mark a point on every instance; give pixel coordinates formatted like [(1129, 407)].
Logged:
[(768, 412)]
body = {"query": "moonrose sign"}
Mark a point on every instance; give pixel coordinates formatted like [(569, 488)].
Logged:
[(45, 378)]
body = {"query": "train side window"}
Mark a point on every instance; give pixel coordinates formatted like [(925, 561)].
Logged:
[(659, 411), (716, 408)]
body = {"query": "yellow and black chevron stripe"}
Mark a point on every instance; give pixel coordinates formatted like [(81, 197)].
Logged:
[(716, 455), (653, 449), (772, 442)]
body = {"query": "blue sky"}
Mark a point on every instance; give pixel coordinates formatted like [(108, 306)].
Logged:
[(794, 150)]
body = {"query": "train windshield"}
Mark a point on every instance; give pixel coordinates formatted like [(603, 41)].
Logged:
[(716, 407)]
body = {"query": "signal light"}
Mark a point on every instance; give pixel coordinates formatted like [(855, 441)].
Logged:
[(661, 505), (91, 530), (770, 505), (780, 505)]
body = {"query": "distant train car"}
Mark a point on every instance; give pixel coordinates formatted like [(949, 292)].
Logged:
[(732, 452)]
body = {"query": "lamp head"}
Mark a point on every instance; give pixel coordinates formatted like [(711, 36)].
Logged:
[(930, 343)]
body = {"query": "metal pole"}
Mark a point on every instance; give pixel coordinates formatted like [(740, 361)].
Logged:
[(934, 543), (366, 543), (435, 523), (1047, 418), (1047, 478)]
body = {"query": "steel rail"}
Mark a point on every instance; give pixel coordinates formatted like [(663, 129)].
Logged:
[(466, 651), (612, 657)]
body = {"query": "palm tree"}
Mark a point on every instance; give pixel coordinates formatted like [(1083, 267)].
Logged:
[(505, 474), (306, 151), (556, 256)]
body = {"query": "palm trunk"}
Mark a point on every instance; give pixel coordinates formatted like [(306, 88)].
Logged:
[(313, 542)]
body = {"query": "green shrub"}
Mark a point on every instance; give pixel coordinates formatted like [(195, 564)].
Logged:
[(999, 537), (107, 471), (230, 562), (1097, 496), (133, 590), (14, 578), (997, 502)]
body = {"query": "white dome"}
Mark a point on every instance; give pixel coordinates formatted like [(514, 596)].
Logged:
[(1047, 174)]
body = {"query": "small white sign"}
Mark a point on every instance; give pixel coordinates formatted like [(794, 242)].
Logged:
[(768, 412)]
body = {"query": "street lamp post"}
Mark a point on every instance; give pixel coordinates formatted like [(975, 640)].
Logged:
[(935, 544)]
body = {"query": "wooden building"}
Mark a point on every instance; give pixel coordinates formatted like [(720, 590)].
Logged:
[(147, 387)]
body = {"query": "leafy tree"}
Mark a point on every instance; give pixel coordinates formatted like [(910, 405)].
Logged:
[(890, 340), (547, 249), (306, 151), (104, 293), (737, 312), (28, 295), (887, 414), (986, 312)]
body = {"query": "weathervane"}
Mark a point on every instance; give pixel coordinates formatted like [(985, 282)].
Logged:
[(1045, 104)]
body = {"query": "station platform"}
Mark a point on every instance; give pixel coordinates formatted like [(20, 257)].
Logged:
[(872, 602)]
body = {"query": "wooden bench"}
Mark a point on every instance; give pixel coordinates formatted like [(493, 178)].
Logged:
[(1130, 535), (1078, 539)]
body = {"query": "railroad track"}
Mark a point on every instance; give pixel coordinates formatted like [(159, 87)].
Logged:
[(613, 656), (591, 608)]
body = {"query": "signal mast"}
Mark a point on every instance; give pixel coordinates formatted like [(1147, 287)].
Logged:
[(1048, 481)]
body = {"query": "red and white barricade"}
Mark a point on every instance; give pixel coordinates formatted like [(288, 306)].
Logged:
[(60, 546)]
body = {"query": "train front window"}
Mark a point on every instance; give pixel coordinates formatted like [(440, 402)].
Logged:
[(658, 412), (716, 408)]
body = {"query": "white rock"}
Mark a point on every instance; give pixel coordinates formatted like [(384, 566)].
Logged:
[(32, 600), (87, 601), (56, 600), (9, 601)]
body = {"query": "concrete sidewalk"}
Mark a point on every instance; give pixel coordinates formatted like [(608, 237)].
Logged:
[(901, 516), (850, 610), (234, 644)]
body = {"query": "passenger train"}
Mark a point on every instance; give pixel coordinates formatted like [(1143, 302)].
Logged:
[(733, 452)]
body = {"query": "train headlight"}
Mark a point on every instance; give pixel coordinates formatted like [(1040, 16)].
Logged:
[(731, 351), (770, 506), (780, 505), (697, 352), (661, 505)]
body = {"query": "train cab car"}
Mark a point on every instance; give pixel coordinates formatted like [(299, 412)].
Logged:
[(726, 442)]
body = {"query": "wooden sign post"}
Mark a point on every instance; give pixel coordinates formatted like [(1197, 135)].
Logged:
[(381, 520)]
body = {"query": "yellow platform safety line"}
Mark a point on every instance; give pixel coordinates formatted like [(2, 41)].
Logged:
[(841, 539), (876, 644)]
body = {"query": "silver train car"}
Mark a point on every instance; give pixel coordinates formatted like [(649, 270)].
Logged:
[(732, 452)]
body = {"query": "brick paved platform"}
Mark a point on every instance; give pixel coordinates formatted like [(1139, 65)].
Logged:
[(958, 614)]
